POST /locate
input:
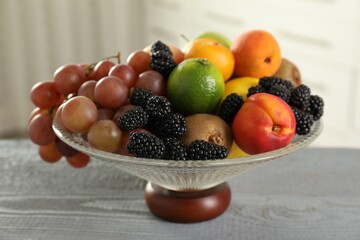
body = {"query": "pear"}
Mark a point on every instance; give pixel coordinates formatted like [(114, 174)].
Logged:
[(221, 38), (289, 71)]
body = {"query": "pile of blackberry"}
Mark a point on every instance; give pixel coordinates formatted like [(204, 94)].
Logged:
[(161, 59), (163, 131), (230, 106), (307, 108)]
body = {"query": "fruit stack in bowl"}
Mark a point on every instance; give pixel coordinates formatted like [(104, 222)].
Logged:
[(212, 99)]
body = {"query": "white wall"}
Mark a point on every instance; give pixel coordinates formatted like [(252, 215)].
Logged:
[(322, 37), (38, 36)]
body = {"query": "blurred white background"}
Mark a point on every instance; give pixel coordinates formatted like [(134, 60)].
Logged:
[(321, 36)]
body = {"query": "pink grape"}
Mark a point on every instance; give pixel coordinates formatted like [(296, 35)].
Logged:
[(105, 113), (111, 92), (101, 69), (44, 94), (49, 153), (104, 135), (68, 78), (79, 160), (78, 114), (124, 72), (152, 80), (40, 129), (139, 61), (65, 149), (87, 89)]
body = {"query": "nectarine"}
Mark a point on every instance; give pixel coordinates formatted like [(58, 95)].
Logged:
[(264, 123)]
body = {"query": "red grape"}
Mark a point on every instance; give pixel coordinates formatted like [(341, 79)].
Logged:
[(57, 116), (104, 113), (111, 92), (101, 69), (35, 112), (139, 61), (124, 72), (79, 160), (87, 89), (40, 129), (78, 114), (49, 153), (152, 80), (44, 94), (68, 78), (104, 135), (65, 149)]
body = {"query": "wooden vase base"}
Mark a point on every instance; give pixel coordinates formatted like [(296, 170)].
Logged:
[(187, 207)]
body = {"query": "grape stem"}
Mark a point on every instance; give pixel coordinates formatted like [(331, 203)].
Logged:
[(185, 37), (117, 57), (89, 68)]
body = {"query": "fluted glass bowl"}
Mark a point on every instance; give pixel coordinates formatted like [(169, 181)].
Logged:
[(185, 175)]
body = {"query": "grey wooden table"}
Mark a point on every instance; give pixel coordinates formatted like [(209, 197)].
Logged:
[(311, 194)]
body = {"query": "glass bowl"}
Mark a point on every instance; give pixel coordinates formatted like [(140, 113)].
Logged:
[(185, 175), (170, 181)]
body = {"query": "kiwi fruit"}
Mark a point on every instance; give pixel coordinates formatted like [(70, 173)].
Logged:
[(208, 127), (289, 71)]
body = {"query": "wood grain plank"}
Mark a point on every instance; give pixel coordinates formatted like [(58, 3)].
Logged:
[(311, 194)]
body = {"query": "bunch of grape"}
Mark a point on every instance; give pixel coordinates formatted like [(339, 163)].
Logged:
[(88, 99)]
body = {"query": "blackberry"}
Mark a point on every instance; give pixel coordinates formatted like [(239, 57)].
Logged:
[(300, 97), (203, 150), (316, 107), (175, 150), (304, 121), (145, 145), (280, 91), (267, 82), (132, 119), (256, 89), (174, 125), (158, 107), (161, 59), (230, 106), (140, 96)]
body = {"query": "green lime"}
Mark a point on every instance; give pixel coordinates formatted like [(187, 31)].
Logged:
[(195, 86)]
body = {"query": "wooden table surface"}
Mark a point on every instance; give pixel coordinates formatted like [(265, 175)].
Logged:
[(311, 194)]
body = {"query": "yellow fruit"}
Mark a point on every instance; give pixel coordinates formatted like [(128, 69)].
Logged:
[(240, 86), (236, 152), (195, 86), (216, 53)]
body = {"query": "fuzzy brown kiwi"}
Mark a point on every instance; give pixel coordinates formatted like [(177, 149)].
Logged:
[(289, 71), (208, 127)]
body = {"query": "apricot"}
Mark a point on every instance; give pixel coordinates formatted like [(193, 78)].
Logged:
[(257, 54)]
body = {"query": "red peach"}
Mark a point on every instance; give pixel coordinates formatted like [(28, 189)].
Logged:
[(264, 123)]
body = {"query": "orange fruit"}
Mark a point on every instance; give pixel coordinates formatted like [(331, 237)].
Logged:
[(215, 52), (195, 86), (257, 54), (240, 86)]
